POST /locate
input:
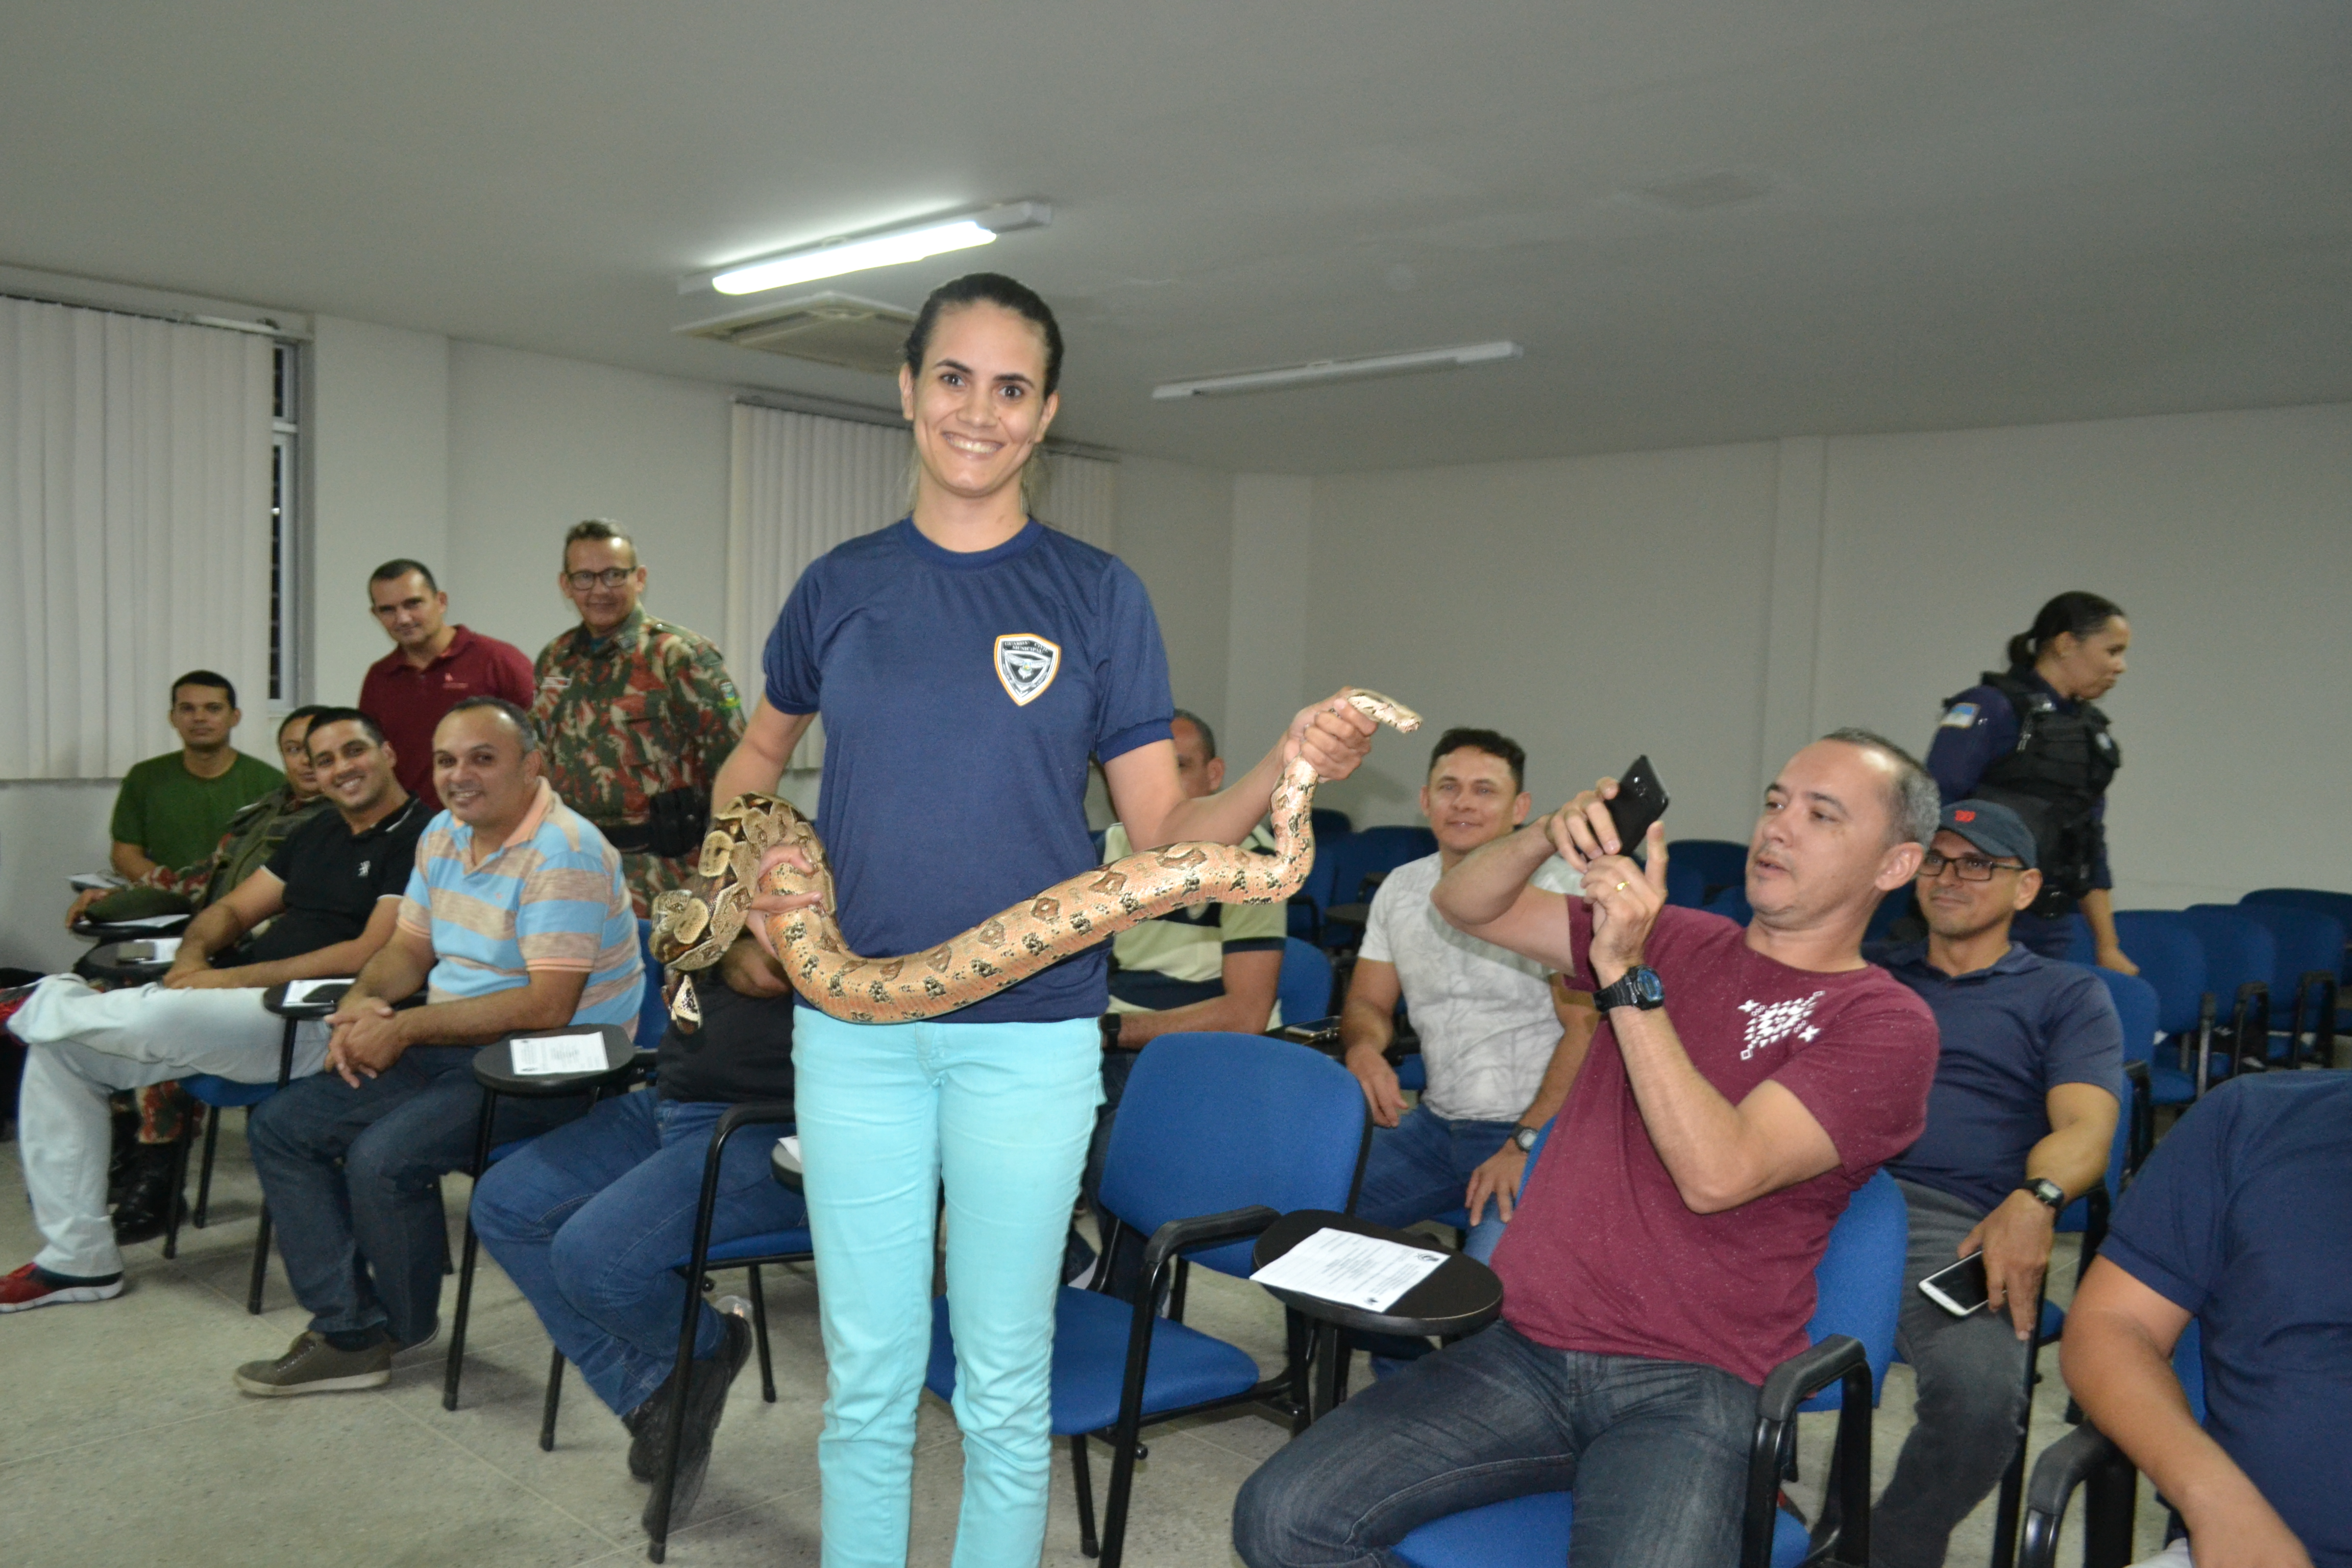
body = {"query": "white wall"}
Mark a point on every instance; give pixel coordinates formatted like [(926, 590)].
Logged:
[(1716, 606), (49, 832), (376, 436), (1591, 609), (538, 443), (2228, 540), (1176, 529)]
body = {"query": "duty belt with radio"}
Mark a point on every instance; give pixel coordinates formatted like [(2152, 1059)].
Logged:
[(679, 818)]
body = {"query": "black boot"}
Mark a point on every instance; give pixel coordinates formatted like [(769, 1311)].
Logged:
[(125, 1162), (145, 1210)]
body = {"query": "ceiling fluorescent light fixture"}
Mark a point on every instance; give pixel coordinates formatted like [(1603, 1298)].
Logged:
[(1316, 372), (880, 248)]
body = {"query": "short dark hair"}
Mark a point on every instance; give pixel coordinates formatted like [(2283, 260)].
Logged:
[(2073, 611), (206, 678), (321, 717), (598, 530), (989, 289), (1494, 743), (1915, 806), (1208, 736), (302, 716), (523, 728), (401, 566)]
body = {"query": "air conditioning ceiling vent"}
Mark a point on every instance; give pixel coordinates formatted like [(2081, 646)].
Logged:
[(830, 329)]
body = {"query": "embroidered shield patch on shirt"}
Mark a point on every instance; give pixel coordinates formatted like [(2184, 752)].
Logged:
[(1025, 665)]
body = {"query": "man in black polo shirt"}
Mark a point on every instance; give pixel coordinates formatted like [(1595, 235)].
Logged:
[(320, 906), (587, 1220), (2019, 1123)]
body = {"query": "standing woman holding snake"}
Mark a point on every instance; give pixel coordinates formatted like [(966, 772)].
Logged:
[(967, 662)]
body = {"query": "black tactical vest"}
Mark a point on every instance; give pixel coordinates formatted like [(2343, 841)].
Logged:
[(2054, 780)]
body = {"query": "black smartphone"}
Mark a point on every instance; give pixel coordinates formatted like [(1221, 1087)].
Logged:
[(1959, 1290), (1641, 800)]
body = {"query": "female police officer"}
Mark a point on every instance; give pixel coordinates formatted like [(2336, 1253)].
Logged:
[(2032, 738), (967, 662)]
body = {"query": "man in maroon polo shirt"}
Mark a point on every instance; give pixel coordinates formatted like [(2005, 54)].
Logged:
[(1742, 1084), (432, 668)]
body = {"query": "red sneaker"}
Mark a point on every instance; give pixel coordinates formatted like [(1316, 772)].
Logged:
[(29, 1288)]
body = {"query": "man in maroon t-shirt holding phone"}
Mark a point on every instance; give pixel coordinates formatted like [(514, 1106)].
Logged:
[(1742, 1085)]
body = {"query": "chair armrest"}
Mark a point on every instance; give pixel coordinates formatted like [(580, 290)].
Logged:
[(2084, 1455), (1806, 1374), (1202, 1230), (752, 1113)]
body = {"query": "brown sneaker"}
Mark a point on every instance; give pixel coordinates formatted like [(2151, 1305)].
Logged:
[(311, 1365)]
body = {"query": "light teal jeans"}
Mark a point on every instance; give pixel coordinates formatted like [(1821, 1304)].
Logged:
[(1003, 1112)]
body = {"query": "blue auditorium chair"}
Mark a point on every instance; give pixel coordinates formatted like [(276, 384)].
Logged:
[(2338, 905), (1860, 1281), (2172, 960), (2305, 989), (1304, 990), (1719, 862), (2240, 959), (1217, 1137)]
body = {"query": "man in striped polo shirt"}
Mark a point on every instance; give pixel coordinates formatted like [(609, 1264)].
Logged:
[(515, 917)]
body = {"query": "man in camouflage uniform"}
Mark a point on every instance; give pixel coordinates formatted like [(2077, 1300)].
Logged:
[(630, 708)]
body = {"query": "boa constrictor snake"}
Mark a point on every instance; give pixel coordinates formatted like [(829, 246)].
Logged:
[(692, 927)]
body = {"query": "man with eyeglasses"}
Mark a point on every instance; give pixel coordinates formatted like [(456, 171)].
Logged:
[(432, 668), (637, 714), (2019, 1123)]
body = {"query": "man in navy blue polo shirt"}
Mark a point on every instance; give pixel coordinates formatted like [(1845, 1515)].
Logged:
[(2242, 1220), (2020, 1121)]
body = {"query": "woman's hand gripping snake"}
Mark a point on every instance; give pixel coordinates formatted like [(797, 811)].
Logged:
[(693, 927)]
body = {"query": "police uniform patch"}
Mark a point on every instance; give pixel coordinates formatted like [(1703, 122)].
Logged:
[(1958, 716), (1026, 666)]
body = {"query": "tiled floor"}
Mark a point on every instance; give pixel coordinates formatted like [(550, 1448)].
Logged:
[(125, 1442)]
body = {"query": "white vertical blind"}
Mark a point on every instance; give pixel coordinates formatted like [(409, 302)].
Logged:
[(134, 531), (803, 483)]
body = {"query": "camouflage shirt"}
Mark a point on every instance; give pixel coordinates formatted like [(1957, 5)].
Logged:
[(625, 717), (253, 836)]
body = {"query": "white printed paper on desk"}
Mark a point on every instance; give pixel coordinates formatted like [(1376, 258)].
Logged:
[(159, 950), (299, 992), (148, 922), (95, 881), (544, 1056), (1361, 1271)]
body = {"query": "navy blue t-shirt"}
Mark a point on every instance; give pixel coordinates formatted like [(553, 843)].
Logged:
[(2010, 1035), (2243, 1217), (962, 696)]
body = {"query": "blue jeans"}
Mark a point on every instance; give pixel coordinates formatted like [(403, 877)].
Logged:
[(1420, 1168), (1655, 1452), (349, 1174), (1002, 1112), (590, 1220)]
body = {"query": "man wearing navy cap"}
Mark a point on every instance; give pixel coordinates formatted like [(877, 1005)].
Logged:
[(2019, 1123)]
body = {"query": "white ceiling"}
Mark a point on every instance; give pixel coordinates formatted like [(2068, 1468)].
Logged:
[(1986, 213)]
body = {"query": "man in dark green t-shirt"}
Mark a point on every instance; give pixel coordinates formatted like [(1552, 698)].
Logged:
[(172, 809)]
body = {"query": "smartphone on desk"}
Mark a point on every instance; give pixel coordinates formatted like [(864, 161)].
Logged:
[(1640, 801), (1959, 1290)]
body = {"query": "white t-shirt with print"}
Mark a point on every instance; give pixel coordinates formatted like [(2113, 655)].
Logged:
[(1484, 1014)]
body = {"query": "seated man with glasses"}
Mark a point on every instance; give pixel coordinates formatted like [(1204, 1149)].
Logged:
[(2019, 1123), (636, 714)]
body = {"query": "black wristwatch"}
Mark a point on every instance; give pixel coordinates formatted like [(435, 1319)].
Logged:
[(2045, 1191), (1637, 987), (1523, 1139)]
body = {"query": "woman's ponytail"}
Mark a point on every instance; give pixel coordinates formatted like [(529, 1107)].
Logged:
[(2073, 611)]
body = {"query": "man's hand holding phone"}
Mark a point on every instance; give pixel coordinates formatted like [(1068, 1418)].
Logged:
[(1588, 833)]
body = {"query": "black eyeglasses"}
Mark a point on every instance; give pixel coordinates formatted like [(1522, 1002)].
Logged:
[(611, 577), (1971, 868)]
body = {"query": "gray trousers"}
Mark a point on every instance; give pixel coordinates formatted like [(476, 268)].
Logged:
[(1972, 1402)]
